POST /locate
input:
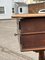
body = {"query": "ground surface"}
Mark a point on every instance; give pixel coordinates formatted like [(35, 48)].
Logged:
[(9, 44)]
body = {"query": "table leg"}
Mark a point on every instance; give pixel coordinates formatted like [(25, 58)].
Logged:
[(41, 55)]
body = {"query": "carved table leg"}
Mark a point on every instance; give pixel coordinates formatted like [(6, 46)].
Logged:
[(41, 55)]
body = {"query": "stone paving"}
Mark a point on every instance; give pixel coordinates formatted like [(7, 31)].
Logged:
[(9, 44)]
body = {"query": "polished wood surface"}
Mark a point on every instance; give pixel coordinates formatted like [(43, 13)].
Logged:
[(27, 15), (32, 36), (32, 33)]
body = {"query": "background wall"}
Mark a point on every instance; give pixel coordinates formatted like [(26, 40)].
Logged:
[(19, 0), (24, 9), (34, 8), (8, 9)]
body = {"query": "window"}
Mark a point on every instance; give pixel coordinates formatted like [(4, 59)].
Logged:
[(12, 10), (1, 10), (42, 11), (21, 10)]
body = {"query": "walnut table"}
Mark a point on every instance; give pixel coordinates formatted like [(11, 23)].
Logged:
[(32, 36)]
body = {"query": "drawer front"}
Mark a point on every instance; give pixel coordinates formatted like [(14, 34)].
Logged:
[(32, 25), (32, 41)]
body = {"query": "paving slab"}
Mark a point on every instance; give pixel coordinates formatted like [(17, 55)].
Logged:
[(8, 41)]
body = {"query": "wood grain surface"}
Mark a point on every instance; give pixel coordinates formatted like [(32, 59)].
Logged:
[(27, 15), (32, 33)]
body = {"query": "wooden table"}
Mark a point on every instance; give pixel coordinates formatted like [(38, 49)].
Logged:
[(32, 36)]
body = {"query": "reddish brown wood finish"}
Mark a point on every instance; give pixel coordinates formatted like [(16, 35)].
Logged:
[(41, 55), (32, 33)]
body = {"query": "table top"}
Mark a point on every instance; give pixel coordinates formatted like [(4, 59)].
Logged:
[(27, 15)]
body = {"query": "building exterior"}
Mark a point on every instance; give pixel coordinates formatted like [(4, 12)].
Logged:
[(21, 8), (5, 9), (35, 8), (34, 1), (29, 1), (19, 0)]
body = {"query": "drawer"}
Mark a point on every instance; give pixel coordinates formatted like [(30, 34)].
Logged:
[(32, 25), (32, 33), (32, 42)]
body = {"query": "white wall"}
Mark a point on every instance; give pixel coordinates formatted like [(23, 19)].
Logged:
[(8, 9), (24, 9), (19, 0), (29, 1)]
